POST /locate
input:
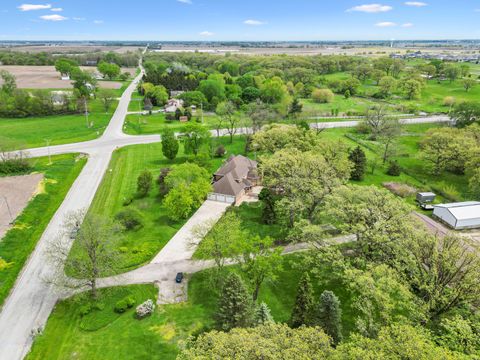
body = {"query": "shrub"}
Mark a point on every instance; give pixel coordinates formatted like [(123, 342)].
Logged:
[(127, 201), (130, 302), (394, 169), (85, 309), (120, 306), (144, 183), (363, 128), (14, 166), (449, 101), (130, 218), (322, 96), (220, 152)]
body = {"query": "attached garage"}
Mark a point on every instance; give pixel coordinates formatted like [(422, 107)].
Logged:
[(463, 215)]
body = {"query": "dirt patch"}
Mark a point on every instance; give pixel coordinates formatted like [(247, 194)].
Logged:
[(46, 77), (402, 190), (15, 193)]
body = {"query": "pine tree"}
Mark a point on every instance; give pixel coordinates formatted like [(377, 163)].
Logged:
[(329, 315), (359, 161), (303, 309), (263, 315), (169, 144), (234, 306), (394, 169), (295, 108)]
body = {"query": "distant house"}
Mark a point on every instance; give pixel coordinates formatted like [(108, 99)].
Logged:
[(234, 179), (91, 63), (172, 105), (176, 93), (462, 215)]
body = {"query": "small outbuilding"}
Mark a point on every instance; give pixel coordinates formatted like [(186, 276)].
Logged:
[(459, 216)]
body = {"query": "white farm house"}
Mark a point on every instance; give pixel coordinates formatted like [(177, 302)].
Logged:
[(463, 215)]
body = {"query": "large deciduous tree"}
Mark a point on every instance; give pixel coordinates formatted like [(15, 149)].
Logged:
[(170, 144), (264, 342), (93, 253)]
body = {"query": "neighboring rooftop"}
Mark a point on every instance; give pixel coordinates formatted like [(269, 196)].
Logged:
[(463, 210)]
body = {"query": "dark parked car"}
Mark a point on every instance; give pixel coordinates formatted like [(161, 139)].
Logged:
[(179, 278)]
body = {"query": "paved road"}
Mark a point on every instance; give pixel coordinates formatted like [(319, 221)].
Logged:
[(31, 299)]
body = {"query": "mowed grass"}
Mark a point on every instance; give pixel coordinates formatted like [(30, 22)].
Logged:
[(120, 183), (138, 124), (430, 101), (161, 335), (20, 241), (34, 132)]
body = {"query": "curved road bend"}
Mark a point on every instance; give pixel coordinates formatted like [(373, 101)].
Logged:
[(32, 300)]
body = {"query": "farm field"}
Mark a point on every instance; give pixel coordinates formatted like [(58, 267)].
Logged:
[(19, 242), (16, 192), (119, 187), (46, 77)]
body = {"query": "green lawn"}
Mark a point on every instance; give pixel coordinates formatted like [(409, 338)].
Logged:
[(137, 124), (352, 106), (431, 100), (59, 129), (159, 336), (139, 246), (20, 241)]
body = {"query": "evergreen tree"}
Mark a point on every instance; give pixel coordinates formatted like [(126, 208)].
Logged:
[(268, 209), (234, 306), (329, 315), (394, 169), (359, 161), (169, 144), (295, 108), (178, 114), (263, 315), (303, 308)]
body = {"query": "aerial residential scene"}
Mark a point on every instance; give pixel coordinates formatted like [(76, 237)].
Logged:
[(206, 179)]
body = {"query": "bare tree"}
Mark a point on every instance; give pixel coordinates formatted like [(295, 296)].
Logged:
[(92, 256), (260, 114), (388, 136)]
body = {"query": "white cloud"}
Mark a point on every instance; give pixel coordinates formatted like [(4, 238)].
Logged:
[(185, 2), (54, 17), (371, 8), (56, 9), (206, 33), (407, 25), (416, 3), (385, 24), (79, 18), (98, 22), (30, 7), (254, 22)]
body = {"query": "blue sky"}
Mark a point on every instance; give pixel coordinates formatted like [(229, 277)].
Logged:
[(239, 20)]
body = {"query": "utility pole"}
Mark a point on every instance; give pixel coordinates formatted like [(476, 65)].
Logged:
[(8, 208), (48, 148), (201, 106), (86, 111)]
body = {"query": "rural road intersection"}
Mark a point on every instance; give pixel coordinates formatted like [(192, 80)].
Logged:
[(32, 299)]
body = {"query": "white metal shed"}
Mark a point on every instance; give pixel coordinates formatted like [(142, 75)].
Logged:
[(462, 215)]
